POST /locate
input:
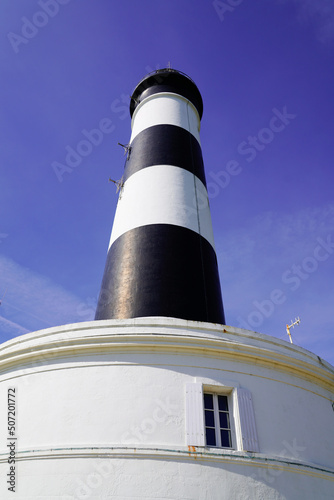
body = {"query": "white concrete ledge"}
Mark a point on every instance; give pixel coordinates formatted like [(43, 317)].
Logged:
[(189, 453), (164, 335)]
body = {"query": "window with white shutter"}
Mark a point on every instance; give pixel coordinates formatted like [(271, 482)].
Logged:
[(246, 429), (195, 415), (220, 416)]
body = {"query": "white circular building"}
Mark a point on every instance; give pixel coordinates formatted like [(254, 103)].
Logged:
[(121, 409), (157, 398)]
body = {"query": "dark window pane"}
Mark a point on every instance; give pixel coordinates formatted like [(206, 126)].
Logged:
[(210, 437), (222, 403), (209, 418), (225, 438), (224, 420), (208, 401)]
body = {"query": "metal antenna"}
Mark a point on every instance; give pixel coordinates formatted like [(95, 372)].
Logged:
[(118, 183), (293, 323), (127, 149)]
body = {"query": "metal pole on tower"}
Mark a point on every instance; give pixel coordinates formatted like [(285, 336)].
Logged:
[(293, 324)]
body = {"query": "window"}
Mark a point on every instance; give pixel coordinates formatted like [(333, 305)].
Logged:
[(217, 420), (214, 418)]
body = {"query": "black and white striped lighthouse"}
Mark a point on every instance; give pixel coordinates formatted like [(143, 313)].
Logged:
[(161, 259)]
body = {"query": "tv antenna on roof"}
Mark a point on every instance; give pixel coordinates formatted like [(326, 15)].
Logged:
[(293, 323)]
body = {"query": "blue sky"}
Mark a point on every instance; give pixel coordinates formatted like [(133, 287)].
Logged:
[(265, 71)]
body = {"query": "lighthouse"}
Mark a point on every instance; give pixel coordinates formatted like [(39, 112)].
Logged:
[(161, 259), (157, 398)]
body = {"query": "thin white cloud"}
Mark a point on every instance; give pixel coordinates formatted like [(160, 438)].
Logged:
[(9, 328), (283, 236), (253, 261), (320, 13), (33, 302)]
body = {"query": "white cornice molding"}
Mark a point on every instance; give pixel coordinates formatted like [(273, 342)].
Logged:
[(164, 336), (189, 453)]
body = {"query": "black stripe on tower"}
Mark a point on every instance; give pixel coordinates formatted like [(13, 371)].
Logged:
[(155, 270), (165, 145), (167, 80)]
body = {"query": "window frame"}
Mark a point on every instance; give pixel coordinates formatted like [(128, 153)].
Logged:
[(243, 427), (215, 398)]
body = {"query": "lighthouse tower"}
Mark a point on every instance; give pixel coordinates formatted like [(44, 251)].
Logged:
[(161, 259), (157, 398)]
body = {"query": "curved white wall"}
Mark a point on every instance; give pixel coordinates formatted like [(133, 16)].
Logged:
[(101, 413)]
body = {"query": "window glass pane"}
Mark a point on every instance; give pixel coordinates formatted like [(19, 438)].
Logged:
[(209, 418), (208, 401), (225, 438), (224, 420), (216, 414), (210, 437), (222, 403)]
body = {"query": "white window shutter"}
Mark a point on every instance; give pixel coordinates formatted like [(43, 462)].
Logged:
[(248, 435), (194, 415)]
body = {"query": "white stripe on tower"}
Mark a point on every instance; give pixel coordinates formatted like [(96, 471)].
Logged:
[(164, 194), (166, 109), (161, 259)]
